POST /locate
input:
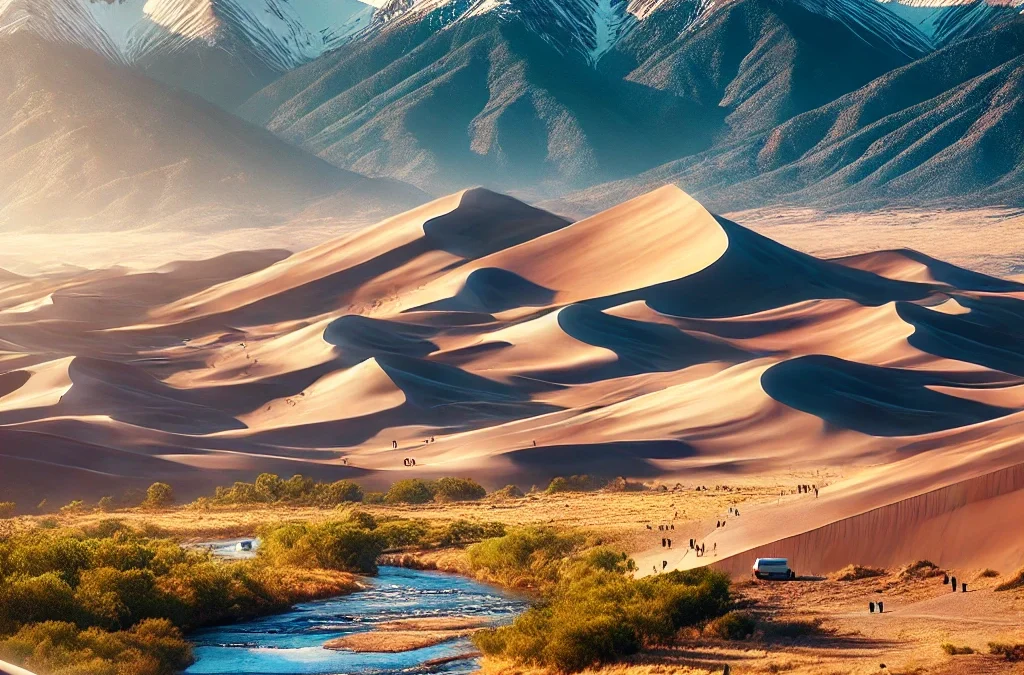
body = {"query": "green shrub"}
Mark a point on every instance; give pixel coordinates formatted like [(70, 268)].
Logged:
[(106, 504), (339, 546), (609, 560), (362, 519), (525, 556), (1012, 652), (373, 498), (463, 531), (7, 510), (593, 615), (153, 647), (953, 650), (339, 492), (409, 491), (76, 506), (733, 626), (268, 487), (403, 533), (457, 490), (583, 483), (508, 492), (159, 496)]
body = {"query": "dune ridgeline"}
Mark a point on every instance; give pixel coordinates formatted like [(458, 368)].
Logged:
[(487, 338)]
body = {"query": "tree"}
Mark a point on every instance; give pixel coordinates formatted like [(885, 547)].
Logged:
[(269, 487), (339, 492), (410, 491), (458, 490), (297, 487), (159, 495)]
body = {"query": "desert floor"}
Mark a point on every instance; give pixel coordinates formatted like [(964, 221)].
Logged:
[(818, 625)]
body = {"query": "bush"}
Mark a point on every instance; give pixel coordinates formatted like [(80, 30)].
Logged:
[(583, 483), (953, 650), (342, 546), (508, 492), (373, 498), (158, 496), (922, 569), (593, 616), (409, 491), (1012, 652), (153, 647), (463, 531), (110, 581), (1016, 581), (403, 533), (855, 572), (339, 492), (458, 490), (7, 510), (988, 573), (106, 504), (527, 556), (76, 506), (732, 626)]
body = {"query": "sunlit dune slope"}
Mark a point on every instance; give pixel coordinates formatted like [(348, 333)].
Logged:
[(485, 337)]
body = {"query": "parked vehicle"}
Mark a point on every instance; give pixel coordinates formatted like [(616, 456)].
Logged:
[(244, 546), (773, 568)]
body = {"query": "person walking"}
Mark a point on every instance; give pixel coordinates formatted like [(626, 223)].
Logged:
[(871, 607), (670, 543), (879, 606), (953, 579)]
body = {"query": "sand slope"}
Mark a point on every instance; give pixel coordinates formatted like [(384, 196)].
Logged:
[(485, 337)]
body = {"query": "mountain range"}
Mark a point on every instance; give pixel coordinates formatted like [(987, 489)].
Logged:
[(833, 103)]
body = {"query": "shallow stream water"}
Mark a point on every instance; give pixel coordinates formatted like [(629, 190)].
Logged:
[(292, 643)]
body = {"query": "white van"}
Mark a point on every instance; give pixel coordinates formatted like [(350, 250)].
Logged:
[(773, 568)]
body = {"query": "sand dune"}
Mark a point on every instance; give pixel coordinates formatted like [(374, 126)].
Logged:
[(488, 338)]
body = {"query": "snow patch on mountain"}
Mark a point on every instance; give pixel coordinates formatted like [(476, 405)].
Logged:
[(283, 34), (943, 21)]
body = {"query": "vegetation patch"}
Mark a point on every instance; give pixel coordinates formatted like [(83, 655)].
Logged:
[(988, 573), (732, 626), (1012, 652), (1015, 582), (593, 610), (113, 599), (954, 650), (922, 569), (583, 483), (855, 572)]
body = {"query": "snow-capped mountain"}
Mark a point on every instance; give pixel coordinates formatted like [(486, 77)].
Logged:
[(281, 34), (591, 28), (943, 21)]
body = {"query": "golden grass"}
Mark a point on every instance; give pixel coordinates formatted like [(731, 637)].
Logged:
[(617, 516), (408, 634), (390, 642)]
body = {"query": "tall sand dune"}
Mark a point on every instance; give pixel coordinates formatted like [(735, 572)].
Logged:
[(489, 338)]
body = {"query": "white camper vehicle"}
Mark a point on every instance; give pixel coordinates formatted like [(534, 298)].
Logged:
[(773, 568)]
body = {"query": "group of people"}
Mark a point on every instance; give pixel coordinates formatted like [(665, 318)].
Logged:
[(807, 489), (394, 444), (946, 579), (871, 607), (408, 461)]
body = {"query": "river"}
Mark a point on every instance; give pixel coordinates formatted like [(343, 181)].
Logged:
[(291, 643)]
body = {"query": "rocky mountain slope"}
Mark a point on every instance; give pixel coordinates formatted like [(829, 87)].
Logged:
[(85, 144)]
